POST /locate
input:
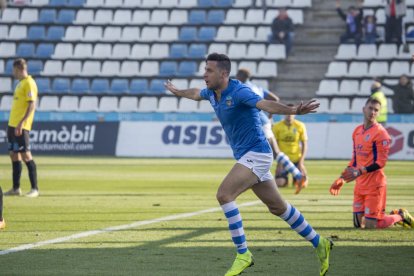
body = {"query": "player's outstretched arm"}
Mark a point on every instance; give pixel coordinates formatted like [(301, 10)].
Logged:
[(191, 93), (279, 108)]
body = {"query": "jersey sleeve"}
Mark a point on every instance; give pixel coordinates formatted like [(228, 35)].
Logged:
[(303, 134), (30, 91), (382, 144), (248, 97), (205, 94)]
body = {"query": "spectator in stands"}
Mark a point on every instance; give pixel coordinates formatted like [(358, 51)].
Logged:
[(403, 98), (377, 94), (353, 20), (282, 30), (20, 123), (370, 29), (395, 11)]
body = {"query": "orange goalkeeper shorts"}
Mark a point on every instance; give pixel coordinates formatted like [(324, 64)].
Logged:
[(371, 204)]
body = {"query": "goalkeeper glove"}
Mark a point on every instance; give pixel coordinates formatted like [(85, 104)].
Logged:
[(336, 186), (352, 173)]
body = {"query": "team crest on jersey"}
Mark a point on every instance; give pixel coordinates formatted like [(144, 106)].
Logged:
[(367, 137), (229, 101), (294, 131), (385, 143)]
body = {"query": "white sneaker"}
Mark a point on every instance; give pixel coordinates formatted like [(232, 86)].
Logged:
[(33, 193), (13, 192)]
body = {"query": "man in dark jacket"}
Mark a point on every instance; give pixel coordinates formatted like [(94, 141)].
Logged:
[(354, 22), (403, 98), (282, 30)]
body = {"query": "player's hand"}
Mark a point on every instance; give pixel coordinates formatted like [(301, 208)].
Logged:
[(351, 173), (307, 107), (336, 186), (18, 130), (171, 87)]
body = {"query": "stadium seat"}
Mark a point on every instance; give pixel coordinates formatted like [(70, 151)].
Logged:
[(399, 68), (178, 17), (187, 68), (178, 50), (113, 34), (83, 50), (149, 68), (9, 67), (122, 17), (25, 50), (276, 51), (119, 86), (69, 103), (60, 85), (91, 68), (102, 50), (148, 104), (35, 67), (76, 3), (167, 104), (169, 3), (139, 86), (337, 69), (40, 2), (249, 65), (197, 17), (74, 33), (206, 3), (114, 3), (5, 85), (157, 86), (365, 87), (262, 34), (234, 16), (188, 34), (302, 3), (103, 16), (140, 17), (159, 50), (349, 87), (93, 33), (217, 48), (168, 68), (256, 51), (63, 50), (367, 51), (205, 107), (346, 51), (121, 51), (246, 34), (110, 68), (52, 67), (339, 105), (43, 85), (45, 50), (378, 69), (237, 50), (49, 103), (95, 3), (55, 33), (17, 32), (150, 33), (224, 3), (72, 68), (66, 17), (10, 15), (169, 34), (387, 51), (150, 3), (328, 87), (100, 86), (197, 51), (84, 16), (36, 33), (358, 69), (7, 49), (128, 104), (57, 3), (47, 16), (296, 15), (188, 3), (129, 68), (6, 102), (215, 17), (88, 103), (207, 33), (324, 105), (108, 104), (180, 83), (187, 105), (197, 83), (80, 86), (4, 31), (159, 17), (254, 16), (226, 33), (357, 105), (130, 34)]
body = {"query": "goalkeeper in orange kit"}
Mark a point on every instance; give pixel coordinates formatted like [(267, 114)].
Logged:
[(371, 144)]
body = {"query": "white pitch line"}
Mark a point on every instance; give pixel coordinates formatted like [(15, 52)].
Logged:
[(115, 228)]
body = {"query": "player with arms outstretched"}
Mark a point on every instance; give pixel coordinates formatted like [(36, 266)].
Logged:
[(371, 144)]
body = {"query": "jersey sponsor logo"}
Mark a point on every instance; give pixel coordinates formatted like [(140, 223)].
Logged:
[(367, 137)]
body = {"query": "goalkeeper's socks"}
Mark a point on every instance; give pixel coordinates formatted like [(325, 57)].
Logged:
[(235, 226), (298, 223), (31, 167), (1, 204), (388, 220), (288, 165), (17, 172)]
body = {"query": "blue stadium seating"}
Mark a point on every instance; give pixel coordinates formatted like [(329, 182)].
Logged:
[(197, 17), (168, 68), (206, 3), (187, 68), (119, 86), (34, 67), (45, 50), (36, 32), (216, 17), (178, 50), (99, 86), (47, 16), (57, 2), (55, 33), (139, 86), (197, 51), (80, 86), (43, 85), (25, 50), (60, 85), (157, 86), (9, 67), (224, 3), (207, 33), (66, 16), (188, 33), (76, 2)]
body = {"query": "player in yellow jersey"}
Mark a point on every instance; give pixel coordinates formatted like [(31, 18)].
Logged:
[(20, 123), (292, 139)]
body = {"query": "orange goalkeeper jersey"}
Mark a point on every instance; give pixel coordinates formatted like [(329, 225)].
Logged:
[(370, 146)]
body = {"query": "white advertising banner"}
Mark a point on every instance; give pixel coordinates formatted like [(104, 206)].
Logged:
[(207, 139)]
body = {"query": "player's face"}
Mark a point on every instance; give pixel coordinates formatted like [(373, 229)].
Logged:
[(371, 111), (213, 76), (289, 118), (17, 73)]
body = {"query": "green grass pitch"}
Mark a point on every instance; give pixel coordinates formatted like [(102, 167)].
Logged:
[(84, 194)]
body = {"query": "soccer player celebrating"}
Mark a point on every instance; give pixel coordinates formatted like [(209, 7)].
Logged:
[(20, 123), (2, 221), (371, 146), (237, 108), (292, 139)]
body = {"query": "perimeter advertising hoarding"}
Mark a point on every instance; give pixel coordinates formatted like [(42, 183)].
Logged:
[(69, 138)]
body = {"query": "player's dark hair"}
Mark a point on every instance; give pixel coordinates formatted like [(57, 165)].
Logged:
[(372, 101), (223, 61), (243, 75), (20, 63)]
